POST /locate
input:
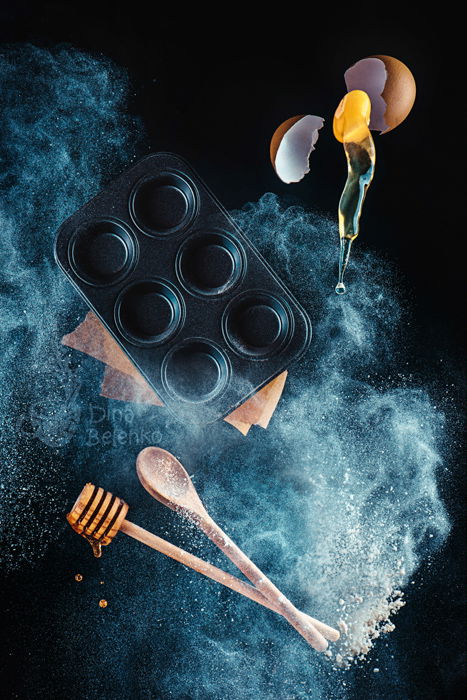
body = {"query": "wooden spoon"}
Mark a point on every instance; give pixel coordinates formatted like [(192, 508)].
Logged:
[(165, 479), (98, 516)]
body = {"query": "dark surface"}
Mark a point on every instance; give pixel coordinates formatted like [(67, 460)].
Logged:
[(216, 97), (228, 107)]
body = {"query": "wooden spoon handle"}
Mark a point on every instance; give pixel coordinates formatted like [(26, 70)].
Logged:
[(306, 628), (213, 572)]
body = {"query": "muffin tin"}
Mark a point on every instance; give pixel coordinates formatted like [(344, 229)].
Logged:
[(181, 289)]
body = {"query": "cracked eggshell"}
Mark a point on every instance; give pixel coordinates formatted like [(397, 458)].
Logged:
[(390, 86), (292, 144)]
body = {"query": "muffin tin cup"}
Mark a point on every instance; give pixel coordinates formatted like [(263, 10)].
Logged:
[(102, 252), (210, 263), (164, 205), (149, 312), (195, 371), (257, 324)]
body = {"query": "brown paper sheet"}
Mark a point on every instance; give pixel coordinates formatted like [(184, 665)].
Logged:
[(92, 338), (120, 386), (123, 382)]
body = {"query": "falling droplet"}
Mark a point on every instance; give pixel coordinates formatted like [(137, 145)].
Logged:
[(344, 252), (78, 577), (95, 544), (340, 288), (103, 603)]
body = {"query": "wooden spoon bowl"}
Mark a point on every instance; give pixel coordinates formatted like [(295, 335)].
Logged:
[(167, 480)]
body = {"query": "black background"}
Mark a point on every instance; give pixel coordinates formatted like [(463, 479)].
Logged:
[(213, 86)]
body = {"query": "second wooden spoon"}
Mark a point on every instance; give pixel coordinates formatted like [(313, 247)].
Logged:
[(164, 477)]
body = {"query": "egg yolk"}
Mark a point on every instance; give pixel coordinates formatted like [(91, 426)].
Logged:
[(352, 117)]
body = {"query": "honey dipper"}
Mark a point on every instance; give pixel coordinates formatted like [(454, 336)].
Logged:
[(98, 516), (165, 479)]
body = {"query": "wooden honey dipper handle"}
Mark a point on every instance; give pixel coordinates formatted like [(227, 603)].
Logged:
[(213, 572)]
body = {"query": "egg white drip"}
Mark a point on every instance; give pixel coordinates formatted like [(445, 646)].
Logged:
[(295, 149)]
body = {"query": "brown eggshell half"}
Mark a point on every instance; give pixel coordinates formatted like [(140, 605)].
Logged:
[(399, 92), (278, 135), (392, 104), (292, 144)]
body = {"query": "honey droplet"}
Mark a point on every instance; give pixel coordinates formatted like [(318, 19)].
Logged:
[(103, 603), (78, 577), (95, 544)]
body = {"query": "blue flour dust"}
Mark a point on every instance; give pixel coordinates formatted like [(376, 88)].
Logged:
[(63, 130), (337, 501)]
